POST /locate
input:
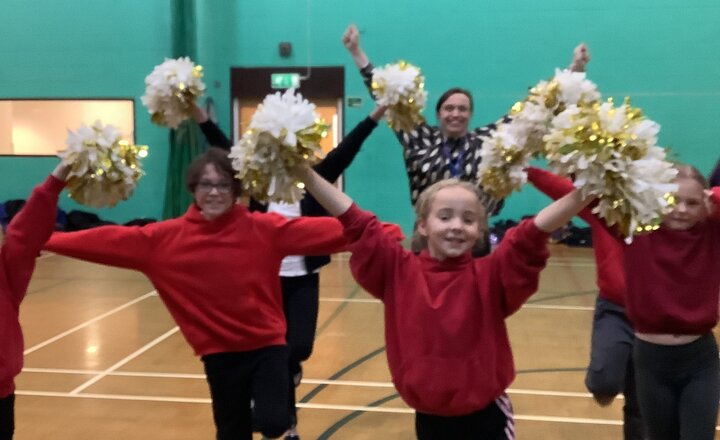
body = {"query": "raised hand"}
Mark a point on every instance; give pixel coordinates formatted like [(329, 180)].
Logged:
[(61, 171), (581, 56), (351, 39), (378, 113)]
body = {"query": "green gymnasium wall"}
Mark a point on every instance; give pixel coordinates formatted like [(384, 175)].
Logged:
[(663, 53), (85, 49)]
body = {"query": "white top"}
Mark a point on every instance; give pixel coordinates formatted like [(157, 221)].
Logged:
[(292, 265)]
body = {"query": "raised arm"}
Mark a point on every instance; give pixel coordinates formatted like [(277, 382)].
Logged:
[(581, 56), (340, 157), (351, 41), (331, 198), (129, 247), (561, 211), (375, 247), (29, 230), (555, 187), (522, 254), (212, 132)]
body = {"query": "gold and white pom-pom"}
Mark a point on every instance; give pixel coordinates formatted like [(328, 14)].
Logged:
[(507, 151), (170, 90), (612, 153), (104, 169), (284, 132), (504, 160), (400, 87)]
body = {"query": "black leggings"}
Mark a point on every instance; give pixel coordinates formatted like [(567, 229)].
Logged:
[(237, 378), (489, 423), (678, 388), (7, 417), (611, 369), (300, 302)]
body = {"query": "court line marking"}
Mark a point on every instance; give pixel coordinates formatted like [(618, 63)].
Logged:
[(526, 306), (331, 382), (88, 323), (125, 360), (319, 406), (574, 420), (114, 373)]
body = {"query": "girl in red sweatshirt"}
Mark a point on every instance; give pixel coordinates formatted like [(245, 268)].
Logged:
[(26, 235), (673, 279), (611, 369), (216, 269), (447, 344)]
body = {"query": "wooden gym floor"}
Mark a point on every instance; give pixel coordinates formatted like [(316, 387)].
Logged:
[(104, 360)]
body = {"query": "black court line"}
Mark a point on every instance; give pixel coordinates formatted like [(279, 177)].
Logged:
[(562, 295), (353, 415), (337, 311), (314, 392)]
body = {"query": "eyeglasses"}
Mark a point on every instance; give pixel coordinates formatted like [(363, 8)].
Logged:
[(221, 187)]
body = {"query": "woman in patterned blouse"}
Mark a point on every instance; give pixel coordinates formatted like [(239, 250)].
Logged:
[(451, 150)]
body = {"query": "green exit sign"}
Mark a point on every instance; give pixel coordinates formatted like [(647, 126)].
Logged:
[(284, 80)]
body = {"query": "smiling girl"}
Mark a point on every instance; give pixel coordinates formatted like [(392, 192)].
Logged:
[(673, 279), (447, 344)]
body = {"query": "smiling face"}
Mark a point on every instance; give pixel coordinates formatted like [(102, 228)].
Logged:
[(690, 205), (452, 225), (214, 192), (454, 115)]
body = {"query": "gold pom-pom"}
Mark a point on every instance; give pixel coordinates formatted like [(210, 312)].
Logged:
[(104, 169), (612, 154), (401, 87), (285, 131), (170, 90)]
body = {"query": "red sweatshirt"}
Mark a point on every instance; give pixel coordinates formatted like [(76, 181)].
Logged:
[(447, 344), (608, 250), (219, 279), (673, 278), (26, 234)]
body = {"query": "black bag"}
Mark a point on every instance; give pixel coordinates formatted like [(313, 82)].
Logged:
[(79, 220), (578, 237), (140, 222)]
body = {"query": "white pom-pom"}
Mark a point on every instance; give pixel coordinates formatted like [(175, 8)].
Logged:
[(170, 88), (284, 131)]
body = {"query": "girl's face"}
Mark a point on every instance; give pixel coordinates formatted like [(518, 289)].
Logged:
[(213, 194), (452, 225), (690, 205), (454, 115)]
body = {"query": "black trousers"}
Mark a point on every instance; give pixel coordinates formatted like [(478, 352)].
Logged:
[(611, 369), (490, 423), (678, 388), (237, 378), (300, 302), (7, 417)]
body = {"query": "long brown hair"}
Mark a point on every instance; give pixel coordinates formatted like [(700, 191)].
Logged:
[(425, 201)]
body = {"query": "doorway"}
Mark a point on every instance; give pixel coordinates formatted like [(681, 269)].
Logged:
[(322, 86)]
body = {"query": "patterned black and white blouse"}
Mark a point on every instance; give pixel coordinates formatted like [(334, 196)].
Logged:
[(431, 157)]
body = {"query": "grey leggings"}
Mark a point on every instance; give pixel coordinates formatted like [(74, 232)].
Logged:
[(678, 388)]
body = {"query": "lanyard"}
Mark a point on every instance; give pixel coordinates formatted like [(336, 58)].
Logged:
[(455, 164)]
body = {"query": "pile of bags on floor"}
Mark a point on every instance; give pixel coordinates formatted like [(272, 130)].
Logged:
[(65, 221), (569, 234)]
